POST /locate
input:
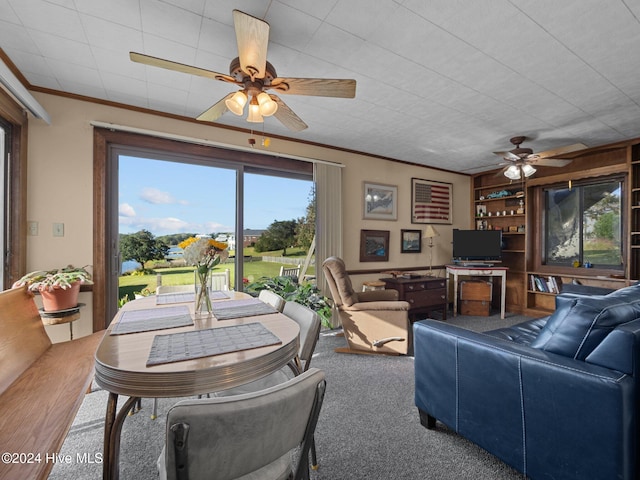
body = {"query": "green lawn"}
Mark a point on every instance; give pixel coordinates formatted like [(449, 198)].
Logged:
[(129, 284)]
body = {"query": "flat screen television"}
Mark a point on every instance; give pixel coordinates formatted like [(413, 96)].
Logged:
[(477, 245)]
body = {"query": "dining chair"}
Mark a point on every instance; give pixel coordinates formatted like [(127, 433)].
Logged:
[(217, 281), (160, 289), (265, 434), (220, 280), (272, 298), (310, 324)]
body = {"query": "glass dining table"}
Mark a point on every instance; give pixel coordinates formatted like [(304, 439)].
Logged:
[(156, 347)]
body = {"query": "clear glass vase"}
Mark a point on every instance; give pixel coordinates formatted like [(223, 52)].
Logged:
[(203, 297)]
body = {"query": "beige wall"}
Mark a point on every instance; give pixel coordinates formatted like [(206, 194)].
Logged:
[(60, 177)]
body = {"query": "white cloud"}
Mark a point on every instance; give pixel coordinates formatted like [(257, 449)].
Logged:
[(156, 197), (126, 210)]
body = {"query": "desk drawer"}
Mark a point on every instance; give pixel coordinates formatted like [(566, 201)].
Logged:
[(420, 286), (426, 298)]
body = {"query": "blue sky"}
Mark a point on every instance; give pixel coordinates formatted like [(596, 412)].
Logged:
[(169, 197)]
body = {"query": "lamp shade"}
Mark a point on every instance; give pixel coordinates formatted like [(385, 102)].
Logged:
[(254, 115), (430, 232), (528, 170), (237, 102), (513, 172), (267, 106)]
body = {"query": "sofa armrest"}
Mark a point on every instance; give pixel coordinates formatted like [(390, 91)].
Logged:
[(377, 306), (531, 408)]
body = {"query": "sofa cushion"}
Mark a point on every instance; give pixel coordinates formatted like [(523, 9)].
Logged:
[(523, 333), (580, 323)]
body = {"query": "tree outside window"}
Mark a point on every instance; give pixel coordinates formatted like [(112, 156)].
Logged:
[(584, 224)]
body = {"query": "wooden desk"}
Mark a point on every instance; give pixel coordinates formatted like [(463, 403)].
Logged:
[(121, 367), (490, 272), (424, 294)]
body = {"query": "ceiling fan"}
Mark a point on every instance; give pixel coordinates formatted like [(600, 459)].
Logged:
[(255, 75), (520, 161)]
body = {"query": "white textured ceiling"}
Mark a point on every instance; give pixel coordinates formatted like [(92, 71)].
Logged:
[(439, 82)]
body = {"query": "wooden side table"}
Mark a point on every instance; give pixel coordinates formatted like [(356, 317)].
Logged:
[(424, 294), (69, 316), (374, 285)]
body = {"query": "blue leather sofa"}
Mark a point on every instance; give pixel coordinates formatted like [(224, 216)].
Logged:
[(556, 398)]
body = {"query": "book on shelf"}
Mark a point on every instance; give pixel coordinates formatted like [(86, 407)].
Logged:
[(544, 284)]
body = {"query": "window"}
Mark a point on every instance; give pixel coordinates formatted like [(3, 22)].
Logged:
[(583, 223)]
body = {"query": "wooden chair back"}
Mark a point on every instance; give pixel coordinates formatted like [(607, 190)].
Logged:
[(23, 339)]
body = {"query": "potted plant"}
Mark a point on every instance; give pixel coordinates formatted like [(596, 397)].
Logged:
[(59, 288)]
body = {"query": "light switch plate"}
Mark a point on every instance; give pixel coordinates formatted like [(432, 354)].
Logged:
[(58, 229), (33, 228)]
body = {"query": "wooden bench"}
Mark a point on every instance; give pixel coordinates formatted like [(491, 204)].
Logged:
[(42, 386)]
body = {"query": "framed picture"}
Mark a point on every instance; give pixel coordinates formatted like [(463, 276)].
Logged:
[(431, 201), (380, 201), (374, 245), (411, 241)]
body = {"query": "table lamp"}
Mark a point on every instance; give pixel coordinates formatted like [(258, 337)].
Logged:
[(429, 234)]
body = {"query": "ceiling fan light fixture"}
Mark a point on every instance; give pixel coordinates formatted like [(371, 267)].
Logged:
[(254, 115), (513, 172), (528, 170), (237, 102), (267, 106)]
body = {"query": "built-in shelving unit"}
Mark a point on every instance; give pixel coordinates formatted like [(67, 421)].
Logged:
[(496, 210), (514, 214)]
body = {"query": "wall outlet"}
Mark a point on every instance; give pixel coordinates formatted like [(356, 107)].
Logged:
[(33, 228), (58, 229)]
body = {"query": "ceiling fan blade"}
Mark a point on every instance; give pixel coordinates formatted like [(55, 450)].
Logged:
[(287, 117), (252, 35), (216, 111), (320, 87), (179, 67), (507, 155), (562, 150), (549, 162)]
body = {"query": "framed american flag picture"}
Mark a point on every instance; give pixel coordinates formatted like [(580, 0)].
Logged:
[(431, 201)]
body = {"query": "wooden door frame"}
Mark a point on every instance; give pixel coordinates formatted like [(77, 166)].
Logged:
[(104, 141)]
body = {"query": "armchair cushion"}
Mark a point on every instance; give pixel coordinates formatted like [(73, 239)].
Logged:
[(580, 323)]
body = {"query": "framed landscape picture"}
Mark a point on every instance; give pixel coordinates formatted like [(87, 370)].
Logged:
[(374, 245), (411, 241), (431, 201), (380, 201)]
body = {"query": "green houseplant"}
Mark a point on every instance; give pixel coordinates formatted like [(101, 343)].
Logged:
[(59, 288)]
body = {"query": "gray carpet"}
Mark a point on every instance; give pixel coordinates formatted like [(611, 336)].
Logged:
[(368, 428)]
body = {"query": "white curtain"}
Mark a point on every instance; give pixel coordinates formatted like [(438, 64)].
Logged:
[(328, 181)]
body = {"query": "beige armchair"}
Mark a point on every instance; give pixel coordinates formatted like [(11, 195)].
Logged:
[(373, 321)]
